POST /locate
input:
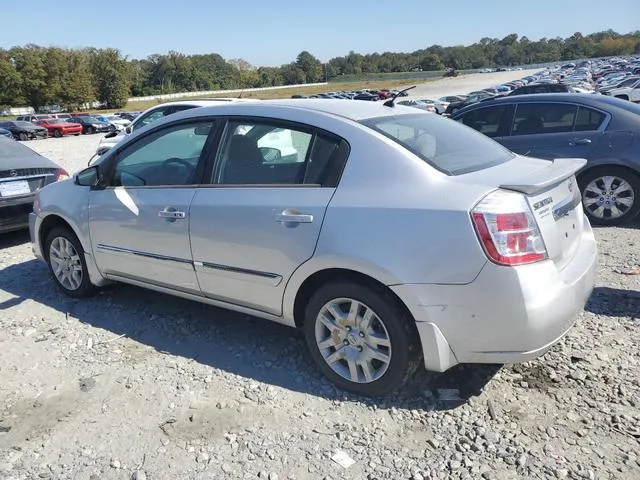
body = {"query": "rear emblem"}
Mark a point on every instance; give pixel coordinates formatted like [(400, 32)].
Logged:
[(13, 173)]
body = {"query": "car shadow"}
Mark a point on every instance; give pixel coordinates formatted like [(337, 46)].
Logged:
[(13, 239), (236, 343), (614, 302)]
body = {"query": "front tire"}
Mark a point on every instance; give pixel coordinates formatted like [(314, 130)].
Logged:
[(90, 130), (67, 266), (23, 136), (610, 195), (361, 338), (57, 133)]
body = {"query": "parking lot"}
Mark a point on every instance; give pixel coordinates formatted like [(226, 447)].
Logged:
[(135, 384)]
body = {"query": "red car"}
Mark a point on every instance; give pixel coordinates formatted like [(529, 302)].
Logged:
[(58, 127)]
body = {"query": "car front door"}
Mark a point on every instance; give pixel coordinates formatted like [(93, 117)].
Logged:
[(554, 130), (139, 223), (259, 218)]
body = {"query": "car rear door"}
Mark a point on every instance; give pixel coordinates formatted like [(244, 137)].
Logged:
[(555, 130), (260, 216)]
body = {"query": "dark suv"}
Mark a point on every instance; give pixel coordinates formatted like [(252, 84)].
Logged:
[(542, 88), (602, 129)]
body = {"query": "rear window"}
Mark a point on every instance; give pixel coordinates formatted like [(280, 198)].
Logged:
[(11, 149), (444, 144)]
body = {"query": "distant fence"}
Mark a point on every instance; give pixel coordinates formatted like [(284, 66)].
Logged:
[(169, 96)]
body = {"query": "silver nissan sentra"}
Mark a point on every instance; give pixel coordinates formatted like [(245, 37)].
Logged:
[(391, 237)]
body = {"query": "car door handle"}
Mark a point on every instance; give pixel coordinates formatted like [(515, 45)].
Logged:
[(293, 217), (171, 214), (580, 141)]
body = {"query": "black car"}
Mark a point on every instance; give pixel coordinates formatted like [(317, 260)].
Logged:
[(542, 88), (24, 130), (602, 129), (366, 96), (22, 173), (90, 124), (474, 97)]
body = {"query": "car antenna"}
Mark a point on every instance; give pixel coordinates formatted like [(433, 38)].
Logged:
[(391, 102)]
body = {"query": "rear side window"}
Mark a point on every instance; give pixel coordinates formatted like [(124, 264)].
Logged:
[(588, 119), (444, 144), (536, 118), (489, 120)]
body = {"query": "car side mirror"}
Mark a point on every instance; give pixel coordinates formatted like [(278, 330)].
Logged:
[(270, 155), (89, 177), (128, 130)]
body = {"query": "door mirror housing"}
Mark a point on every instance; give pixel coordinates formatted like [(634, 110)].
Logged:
[(89, 177), (270, 155)]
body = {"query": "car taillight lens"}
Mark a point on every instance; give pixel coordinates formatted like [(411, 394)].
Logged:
[(62, 175), (507, 230)]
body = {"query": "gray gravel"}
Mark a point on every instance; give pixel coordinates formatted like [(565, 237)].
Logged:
[(134, 384)]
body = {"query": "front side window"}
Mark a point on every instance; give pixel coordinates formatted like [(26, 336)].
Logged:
[(536, 118), (167, 157), (266, 153), (447, 146)]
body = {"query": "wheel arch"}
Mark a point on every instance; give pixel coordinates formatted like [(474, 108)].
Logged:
[(327, 275), (48, 223)]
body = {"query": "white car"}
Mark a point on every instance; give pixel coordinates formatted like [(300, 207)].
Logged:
[(629, 92), (156, 113), (118, 122)]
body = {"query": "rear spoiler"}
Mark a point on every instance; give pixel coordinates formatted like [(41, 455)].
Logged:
[(557, 170)]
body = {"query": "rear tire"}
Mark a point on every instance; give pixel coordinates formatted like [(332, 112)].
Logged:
[(67, 266), (623, 195), (57, 133), (90, 130), (371, 352)]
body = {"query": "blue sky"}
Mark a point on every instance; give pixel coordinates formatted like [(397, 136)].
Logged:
[(273, 32)]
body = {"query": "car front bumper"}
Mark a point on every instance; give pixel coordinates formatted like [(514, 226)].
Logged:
[(35, 242), (506, 315)]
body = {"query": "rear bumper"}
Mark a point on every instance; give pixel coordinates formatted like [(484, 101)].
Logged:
[(506, 315), (14, 214)]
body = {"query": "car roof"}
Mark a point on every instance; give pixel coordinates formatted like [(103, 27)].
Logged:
[(356, 110)]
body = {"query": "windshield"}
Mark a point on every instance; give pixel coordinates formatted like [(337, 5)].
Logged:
[(446, 145)]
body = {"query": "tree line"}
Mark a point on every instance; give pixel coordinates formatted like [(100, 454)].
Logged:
[(34, 76)]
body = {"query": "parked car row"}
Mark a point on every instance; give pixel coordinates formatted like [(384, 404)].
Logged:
[(31, 127), (618, 77)]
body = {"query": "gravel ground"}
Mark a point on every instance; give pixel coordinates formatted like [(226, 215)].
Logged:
[(134, 384)]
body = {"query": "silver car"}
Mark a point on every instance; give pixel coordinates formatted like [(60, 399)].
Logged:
[(391, 237)]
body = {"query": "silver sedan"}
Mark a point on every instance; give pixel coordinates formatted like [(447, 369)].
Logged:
[(392, 237)]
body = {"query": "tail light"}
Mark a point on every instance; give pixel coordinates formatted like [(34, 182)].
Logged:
[(62, 175), (507, 230)]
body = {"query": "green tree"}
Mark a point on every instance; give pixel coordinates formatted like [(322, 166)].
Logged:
[(310, 66), (111, 77), (10, 81), (77, 88), (431, 61)]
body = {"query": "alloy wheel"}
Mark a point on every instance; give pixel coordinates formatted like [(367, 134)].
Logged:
[(608, 197), (353, 340), (65, 263)]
